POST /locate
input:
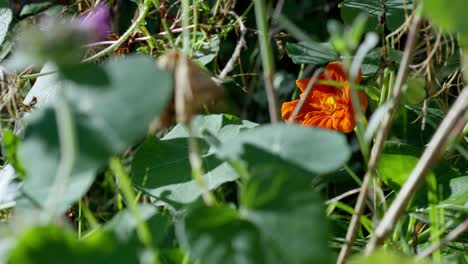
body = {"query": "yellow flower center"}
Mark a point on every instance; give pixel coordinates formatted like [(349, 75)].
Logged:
[(329, 105)]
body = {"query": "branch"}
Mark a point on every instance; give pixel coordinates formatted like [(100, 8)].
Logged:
[(237, 51), (451, 126), (454, 234), (380, 139)]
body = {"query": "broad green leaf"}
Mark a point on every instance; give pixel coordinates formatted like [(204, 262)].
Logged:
[(102, 115), (395, 12), (37, 244), (316, 150), (278, 221), (385, 257), (448, 15), (162, 169), (280, 200), (218, 235), (311, 53), (5, 20), (397, 162), (223, 126)]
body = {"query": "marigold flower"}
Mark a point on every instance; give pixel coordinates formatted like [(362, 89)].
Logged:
[(326, 106)]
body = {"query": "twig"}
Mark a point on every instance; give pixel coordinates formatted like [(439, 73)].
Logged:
[(451, 126), (342, 196), (304, 96), (141, 18), (145, 38), (380, 139), (237, 51), (454, 234), (267, 59)]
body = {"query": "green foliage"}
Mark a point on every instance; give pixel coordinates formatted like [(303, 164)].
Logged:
[(447, 14), (311, 53), (394, 11), (85, 179), (277, 195), (100, 132), (316, 150)]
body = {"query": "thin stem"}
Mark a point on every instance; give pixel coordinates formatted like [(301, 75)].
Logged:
[(128, 193), (36, 75), (380, 139), (186, 47), (68, 150), (195, 21), (267, 59), (450, 128), (304, 96), (237, 51), (196, 163), (141, 18)]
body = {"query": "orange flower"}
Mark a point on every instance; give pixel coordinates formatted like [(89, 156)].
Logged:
[(326, 106)]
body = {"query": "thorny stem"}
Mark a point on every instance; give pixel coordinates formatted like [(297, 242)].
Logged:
[(267, 59), (141, 18), (380, 139)]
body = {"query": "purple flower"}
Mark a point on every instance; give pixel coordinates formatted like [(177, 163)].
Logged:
[(96, 22)]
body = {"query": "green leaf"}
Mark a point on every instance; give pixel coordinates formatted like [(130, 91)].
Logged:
[(280, 200), (5, 20), (124, 226), (218, 235), (448, 15), (36, 244), (223, 126), (395, 11), (459, 191), (277, 223), (102, 119), (162, 169), (311, 53), (397, 162), (313, 149)]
